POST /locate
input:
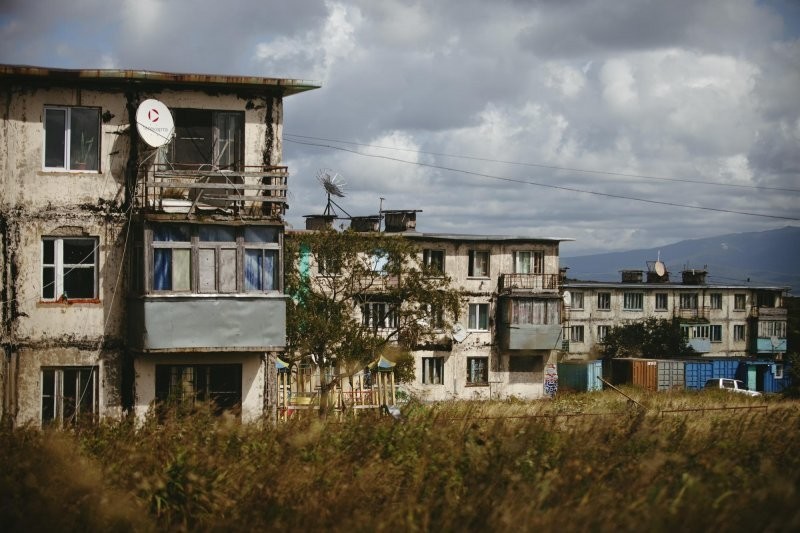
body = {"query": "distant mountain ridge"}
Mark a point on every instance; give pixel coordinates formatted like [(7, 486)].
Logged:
[(764, 258)]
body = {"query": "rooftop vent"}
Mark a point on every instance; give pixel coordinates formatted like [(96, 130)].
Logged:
[(694, 276), (631, 276), (401, 220), (319, 222), (365, 223)]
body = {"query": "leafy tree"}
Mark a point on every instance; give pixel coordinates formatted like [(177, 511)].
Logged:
[(652, 337), (332, 275)]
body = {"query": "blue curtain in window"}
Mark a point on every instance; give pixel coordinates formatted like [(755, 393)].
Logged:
[(162, 269)]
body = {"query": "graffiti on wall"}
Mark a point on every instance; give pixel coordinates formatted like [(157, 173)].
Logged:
[(550, 380)]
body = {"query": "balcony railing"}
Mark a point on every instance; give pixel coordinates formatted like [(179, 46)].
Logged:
[(528, 282), (699, 313), (768, 312), (254, 190)]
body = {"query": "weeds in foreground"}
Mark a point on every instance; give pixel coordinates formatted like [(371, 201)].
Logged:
[(451, 466)]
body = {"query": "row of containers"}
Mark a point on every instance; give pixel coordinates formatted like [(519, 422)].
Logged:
[(667, 375)]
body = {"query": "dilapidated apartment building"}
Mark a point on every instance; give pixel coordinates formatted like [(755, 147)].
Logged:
[(509, 334), (717, 320), (130, 272)]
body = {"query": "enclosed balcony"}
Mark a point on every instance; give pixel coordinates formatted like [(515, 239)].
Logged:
[(529, 324)]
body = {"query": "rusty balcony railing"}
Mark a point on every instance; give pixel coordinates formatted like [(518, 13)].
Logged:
[(253, 190), (528, 282), (768, 312), (697, 313)]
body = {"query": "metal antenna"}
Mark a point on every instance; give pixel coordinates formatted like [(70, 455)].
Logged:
[(334, 186)]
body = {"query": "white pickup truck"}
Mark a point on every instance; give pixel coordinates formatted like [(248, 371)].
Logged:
[(732, 385)]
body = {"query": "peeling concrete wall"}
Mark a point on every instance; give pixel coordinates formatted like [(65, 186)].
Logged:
[(254, 369), (502, 382)]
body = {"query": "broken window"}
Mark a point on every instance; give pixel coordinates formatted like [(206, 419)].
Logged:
[(69, 395), (479, 317), (69, 268), (478, 264), (477, 370), (206, 140), (215, 259), (526, 262), (433, 260), (433, 370), (186, 385), (72, 138)]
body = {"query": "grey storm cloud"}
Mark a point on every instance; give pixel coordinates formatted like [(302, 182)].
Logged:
[(563, 112)]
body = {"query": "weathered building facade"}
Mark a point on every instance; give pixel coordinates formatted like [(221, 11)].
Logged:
[(506, 340), (132, 273), (717, 320)]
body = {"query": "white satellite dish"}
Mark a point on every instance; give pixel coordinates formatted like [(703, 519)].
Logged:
[(154, 123), (660, 268), (775, 341), (459, 333), (567, 298)]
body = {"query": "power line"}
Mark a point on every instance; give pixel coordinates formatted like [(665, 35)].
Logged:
[(547, 185), (551, 167)]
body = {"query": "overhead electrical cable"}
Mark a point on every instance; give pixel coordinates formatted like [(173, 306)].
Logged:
[(551, 167), (546, 185)]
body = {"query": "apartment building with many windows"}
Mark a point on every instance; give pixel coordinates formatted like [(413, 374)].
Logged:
[(135, 272), (717, 320), (507, 337)]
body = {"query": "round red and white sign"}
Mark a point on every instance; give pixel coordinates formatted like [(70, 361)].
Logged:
[(154, 123)]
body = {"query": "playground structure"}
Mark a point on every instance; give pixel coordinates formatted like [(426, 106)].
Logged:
[(299, 389)]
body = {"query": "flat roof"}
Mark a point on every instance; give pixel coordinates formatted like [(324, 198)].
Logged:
[(285, 86), (670, 285), (479, 238)]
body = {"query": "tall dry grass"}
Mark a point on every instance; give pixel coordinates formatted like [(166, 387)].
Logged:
[(579, 462)]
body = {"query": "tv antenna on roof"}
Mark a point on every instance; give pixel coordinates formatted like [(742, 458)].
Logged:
[(334, 185)]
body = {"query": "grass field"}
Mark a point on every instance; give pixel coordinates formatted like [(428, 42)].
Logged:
[(579, 462)]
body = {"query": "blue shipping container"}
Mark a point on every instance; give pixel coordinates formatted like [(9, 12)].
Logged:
[(697, 373), (580, 376), (725, 368)]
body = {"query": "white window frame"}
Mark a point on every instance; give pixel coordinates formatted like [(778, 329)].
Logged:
[(428, 255), (628, 305), (57, 374), (529, 262), (60, 268), (715, 300), (576, 334), (379, 315), (779, 371), (737, 299), (478, 313), (577, 300), (68, 163), (661, 306), (472, 271), (432, 371), (483, 368)]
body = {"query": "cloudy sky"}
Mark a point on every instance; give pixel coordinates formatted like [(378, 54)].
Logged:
[(622, 124)]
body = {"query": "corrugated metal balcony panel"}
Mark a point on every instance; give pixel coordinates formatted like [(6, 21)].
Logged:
[(531, 337), (700, 345), (207, 323), (766, 346)]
